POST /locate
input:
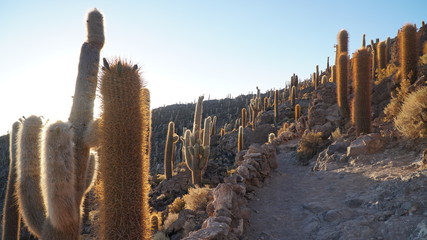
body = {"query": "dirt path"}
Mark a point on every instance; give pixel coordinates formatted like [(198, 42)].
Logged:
[(296, 203)]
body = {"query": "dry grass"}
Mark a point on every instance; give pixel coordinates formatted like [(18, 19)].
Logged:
[(172, 217), (308, 146), (412, 119), (336, 134), (283, 129), (196, 199), (394, 107), (384, 73), (177, 205)]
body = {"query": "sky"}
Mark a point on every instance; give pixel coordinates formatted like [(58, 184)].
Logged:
[(186, 48)]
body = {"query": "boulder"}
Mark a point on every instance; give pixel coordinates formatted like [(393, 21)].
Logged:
[(365, 144)]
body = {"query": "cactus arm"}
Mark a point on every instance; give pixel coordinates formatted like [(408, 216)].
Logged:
[(197, 125), (11, 218), (84, 95)]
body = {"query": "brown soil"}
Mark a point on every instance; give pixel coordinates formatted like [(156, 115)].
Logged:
[(378, 196)]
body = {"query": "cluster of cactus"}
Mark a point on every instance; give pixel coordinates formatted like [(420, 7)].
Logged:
[(196, 145), (255, 107), (53, 169)]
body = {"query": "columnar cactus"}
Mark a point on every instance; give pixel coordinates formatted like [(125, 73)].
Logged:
[(334, 73), (122, 149), (408, 52), (362, 91), (363, 40), (240, 139), (171, 139), (196, 146), (11, 217), (387, 50), (293, 95), (342, 42), (255, 107), (213, 127), (297, 112), (381, 55), (244, 117), (342, 85), (222, 132), (63, 224), (374, 59), (271, 137), (276, 107)]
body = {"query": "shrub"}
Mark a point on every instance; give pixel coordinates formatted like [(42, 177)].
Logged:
[(172, 217), (308, 146), (394, 107), (177, 205), (412, 119), (196, 199)]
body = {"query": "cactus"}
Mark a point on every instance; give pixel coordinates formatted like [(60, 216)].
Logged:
[(276, 107), (196, 146), (265, 103), (363, 40), (387, 50), (314, 80), (374, 59), (123, 161), (342, 42), (334, 73), (362, 91), (271, 137), (244, 117), (342, 85), (293, 96), (154, 223), (324, 80), (240, 139), (381, 55), (11, 217), (222, 132), (171, 139), (297, 112), (408, 52), (213, 126)]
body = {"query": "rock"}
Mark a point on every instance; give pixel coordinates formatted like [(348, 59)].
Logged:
[(215, 230), (338, 214), (365, 144), (420, 231), (313, 207), (354, 203)]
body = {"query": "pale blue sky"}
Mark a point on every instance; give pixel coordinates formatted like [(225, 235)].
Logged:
[(186, 48)]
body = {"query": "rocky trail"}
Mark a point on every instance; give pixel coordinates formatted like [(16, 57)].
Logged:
[(380, 196)]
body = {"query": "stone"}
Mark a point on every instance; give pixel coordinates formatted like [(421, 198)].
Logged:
[(365, 144)]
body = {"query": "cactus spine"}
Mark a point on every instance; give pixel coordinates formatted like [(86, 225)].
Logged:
[(381, 55), (171, 139), (408, 52), (342, 85), (196, 146), (122, 158), (11, 217), (240, 139), (362, 91), (297, 112)]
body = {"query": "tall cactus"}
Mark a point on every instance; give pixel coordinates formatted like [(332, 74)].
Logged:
[(381, 55), (123, 161), (362, 91), (196, 146), (342, 85), (276, 108), (240, 139), (293, 95), (342, 42), (364, 40), (171, 139), (244, 117), (213, 126), (408, 52), (11, 217)]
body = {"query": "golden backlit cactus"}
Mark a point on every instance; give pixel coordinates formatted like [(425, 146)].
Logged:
[(11, 218), (408, 52), (364, 40), (28, 190), (381, 55), (342, 42), (361, 110), (293, 95), (123, 153), (171, 139), (271, 137), (342, 85), (240, 141)]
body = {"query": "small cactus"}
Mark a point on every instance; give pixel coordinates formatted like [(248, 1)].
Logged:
[(271, 137), (240, 139), (381, 55), (244, 117), (297, 112), (293, 96)]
